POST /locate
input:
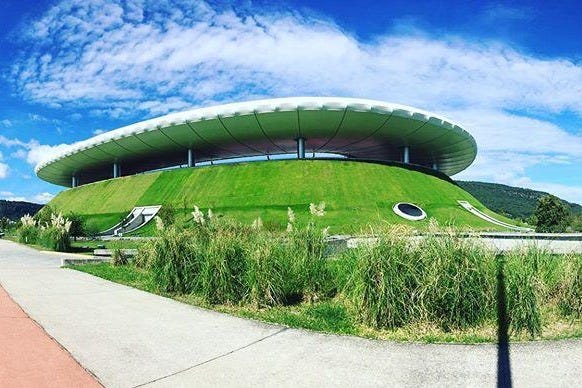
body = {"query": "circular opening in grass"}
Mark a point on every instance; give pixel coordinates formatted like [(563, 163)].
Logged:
[(409, 211)]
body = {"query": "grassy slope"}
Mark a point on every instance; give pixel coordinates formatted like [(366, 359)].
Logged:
[(356, 194)]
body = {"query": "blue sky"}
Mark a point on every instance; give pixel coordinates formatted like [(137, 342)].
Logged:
[(510, 72)]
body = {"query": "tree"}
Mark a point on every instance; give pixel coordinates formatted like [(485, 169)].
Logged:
[(43, 217), (552, 214), (4, 222), (577, 223), (77, 225)]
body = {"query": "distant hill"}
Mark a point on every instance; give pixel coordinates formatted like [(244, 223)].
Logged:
[(513, 201), (15, 209)]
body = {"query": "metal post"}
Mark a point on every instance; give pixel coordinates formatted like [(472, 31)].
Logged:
[(116, 170), (191, 162), (300, 148), (74, 181), (406, 154)]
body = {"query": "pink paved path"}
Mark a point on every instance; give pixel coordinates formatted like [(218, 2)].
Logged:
[(30, 358)]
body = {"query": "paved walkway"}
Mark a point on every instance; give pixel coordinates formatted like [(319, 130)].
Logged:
[(129, 338), (30, 358)]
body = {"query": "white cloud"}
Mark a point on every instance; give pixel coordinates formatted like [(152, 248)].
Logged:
[(4, 141), (42, 197), (13, 198), (38, 153), (6, 123), (36, 117), (4, 170), (37, 198), (192, 55), (19, 153), (115, 59), (32, 151)]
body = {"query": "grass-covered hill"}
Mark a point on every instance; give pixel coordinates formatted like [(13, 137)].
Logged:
[(356, 194), (13, 210), (513, 201)]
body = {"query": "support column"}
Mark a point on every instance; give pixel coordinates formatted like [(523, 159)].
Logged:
[(191, 161), (300, 148), (74, 182), (116, 170), (435, 166), (406, 154)]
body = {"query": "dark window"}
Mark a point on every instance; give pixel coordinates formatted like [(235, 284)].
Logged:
[(410, 209)]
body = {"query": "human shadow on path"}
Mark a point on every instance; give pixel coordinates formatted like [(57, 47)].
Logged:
[(503, 359)]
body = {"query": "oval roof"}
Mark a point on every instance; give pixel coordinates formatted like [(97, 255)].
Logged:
[(358, 128)]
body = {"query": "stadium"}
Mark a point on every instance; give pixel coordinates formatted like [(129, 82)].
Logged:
[(370, 161)]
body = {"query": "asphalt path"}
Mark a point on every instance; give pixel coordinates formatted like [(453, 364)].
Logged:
[(127, 338)]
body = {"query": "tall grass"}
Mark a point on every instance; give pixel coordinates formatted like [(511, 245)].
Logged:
[(385, 283), (439, 280), (118, 255), (523, 291), (50, 231), (28, 234), (223, 269), (227, 262), (455, 281), (442, 280), (174, 258), (307, 247), (570, 288), (55, 239), (269, 275)]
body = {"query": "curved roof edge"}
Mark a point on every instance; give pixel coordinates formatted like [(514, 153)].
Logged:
[(241, 108)]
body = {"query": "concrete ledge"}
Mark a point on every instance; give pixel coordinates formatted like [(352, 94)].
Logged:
[(530, 236), (84, 260), (559, 243), (108, 252)]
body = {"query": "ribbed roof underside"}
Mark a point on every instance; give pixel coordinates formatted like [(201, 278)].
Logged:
[(358, 128)]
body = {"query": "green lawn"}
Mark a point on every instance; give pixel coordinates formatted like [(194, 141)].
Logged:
[(356, 194)]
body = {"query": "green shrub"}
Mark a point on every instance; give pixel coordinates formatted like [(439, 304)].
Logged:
[(167, 214), (54, 238), (118, 255), (551, 214), (77, 228), (91, 231), (146, 254), (28, 234), (53, 234), (44, 215)]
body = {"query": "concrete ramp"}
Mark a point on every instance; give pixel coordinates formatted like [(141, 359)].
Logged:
[(137, 218), (467, 206)]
